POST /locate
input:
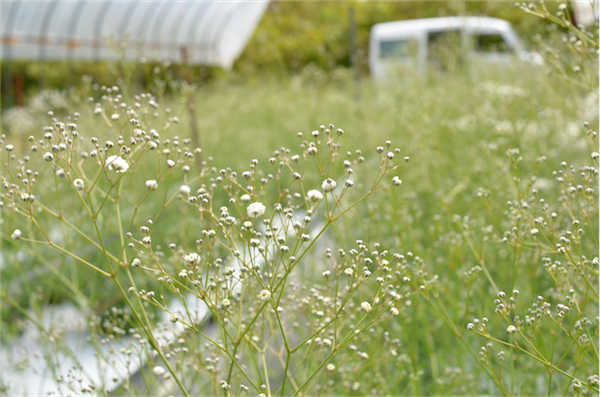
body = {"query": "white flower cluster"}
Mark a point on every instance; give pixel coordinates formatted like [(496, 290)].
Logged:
[(117, 163), (256, 209)]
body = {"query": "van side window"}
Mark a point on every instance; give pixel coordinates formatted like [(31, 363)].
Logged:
[(391, 49), (490, 43)]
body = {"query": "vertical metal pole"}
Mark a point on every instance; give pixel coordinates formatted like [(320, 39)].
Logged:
[(8, 65), (354, 54)]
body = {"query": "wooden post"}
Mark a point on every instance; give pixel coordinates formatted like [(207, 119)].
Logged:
[(191, 107), (354, 54)]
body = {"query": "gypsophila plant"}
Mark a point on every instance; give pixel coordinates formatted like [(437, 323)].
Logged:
[(244, 243)]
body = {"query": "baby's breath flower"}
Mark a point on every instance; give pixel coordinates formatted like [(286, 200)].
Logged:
[(264, 295), (226, 302), (192, 258), (348, 271), (185, 189), (396, 181), (328, 185), (158, 370), (394, 311), (78, 183), (511, 329), (330, 367), (117, 163), (366, 307), (256, 209), (48, 156), (151, 184), (314, 195), (245, 198), (326, 273), (170, 163), (16, 234), (535, 231)]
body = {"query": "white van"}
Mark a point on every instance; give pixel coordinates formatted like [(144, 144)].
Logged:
[(412, 45)]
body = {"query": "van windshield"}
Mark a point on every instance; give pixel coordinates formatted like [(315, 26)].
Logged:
[(393, 49)]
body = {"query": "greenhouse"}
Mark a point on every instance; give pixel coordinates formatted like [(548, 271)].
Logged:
[(200, 32)]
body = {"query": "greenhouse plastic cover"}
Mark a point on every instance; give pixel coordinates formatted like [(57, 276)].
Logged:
[(197, 32)]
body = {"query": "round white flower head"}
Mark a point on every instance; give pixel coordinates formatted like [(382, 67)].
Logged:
[(366, 307), (264, 295), (185, 189), (117, 163), (158, 370), (330, 367), (396, 181), (170, 163), (511, 329), (394, 311), (314, 195), (16, 234), (48, 156), (245, 198), (78, 183), (328, 185), (192, 258), (226, 302), (535, 231), (256, 209), (151, 184)]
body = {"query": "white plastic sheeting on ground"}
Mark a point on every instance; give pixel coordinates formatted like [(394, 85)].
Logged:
[(197, 32)]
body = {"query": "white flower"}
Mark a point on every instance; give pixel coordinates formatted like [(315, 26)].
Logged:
[(348, 271), (117, 163), (48, 156), (328, 185), (170, 163), (511, 329), (535, 231), (326, 273), (192, 258), (185, 189), (330, 367), (366, 307), (314, 195), (245, 198), (394, 311), (158, 370), (226, 302), (264, 295), (256, 209), (396, 181), (16, 234), (151, 184), (78, 183)]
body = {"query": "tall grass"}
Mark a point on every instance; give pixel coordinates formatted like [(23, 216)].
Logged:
[(475, 274)]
